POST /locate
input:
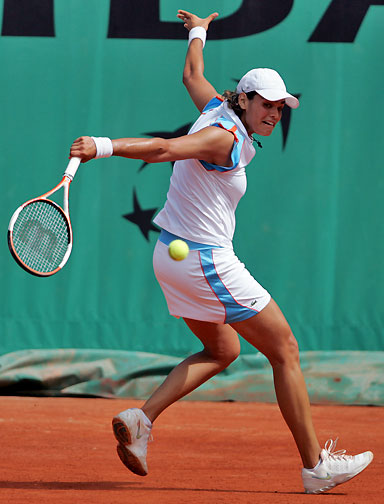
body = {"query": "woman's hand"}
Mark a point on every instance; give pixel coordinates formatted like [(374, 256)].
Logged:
[(84, 148), (190, 20)]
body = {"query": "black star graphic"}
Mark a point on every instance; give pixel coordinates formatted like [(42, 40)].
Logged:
[(183, 130), (142, 218)]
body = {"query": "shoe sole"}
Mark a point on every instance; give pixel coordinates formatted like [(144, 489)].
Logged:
[(124, 438), (130, 460), (121, 431), (324, 489)]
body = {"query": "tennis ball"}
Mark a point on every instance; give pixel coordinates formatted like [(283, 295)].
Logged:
[(178, 250)]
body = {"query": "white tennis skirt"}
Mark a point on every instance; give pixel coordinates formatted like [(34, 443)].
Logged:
[(211, 284)]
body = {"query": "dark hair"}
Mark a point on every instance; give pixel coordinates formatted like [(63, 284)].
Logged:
[(233, 100)]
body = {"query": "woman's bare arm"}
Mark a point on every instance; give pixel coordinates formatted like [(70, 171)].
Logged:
[(199, 88), (211, 144)]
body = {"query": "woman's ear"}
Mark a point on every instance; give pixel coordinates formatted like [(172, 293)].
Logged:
[(242, 101)]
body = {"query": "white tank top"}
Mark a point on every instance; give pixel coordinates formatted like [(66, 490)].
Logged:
[(203, 197)]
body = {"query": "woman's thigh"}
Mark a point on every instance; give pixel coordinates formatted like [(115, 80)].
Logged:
[(220, 340), (269, 332)]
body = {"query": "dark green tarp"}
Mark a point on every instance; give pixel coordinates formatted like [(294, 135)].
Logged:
[(332, 377)]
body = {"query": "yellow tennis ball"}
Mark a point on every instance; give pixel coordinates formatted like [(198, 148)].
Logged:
[(178, 250)]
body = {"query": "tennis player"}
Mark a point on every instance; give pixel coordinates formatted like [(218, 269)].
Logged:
[(211, 289)]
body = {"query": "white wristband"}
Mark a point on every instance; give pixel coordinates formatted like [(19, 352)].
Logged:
[(197, 32), (104, 147)]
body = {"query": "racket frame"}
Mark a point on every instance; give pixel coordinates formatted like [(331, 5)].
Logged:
[(68, 176)]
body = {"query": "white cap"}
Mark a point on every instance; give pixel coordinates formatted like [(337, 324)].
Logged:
[(268, 84)]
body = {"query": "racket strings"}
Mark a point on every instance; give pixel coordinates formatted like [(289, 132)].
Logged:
[(41, 236)]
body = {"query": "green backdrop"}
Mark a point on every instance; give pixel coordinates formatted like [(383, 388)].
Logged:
[(309, 227)]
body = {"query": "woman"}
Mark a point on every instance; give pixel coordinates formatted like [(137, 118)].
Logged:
[(211, 289)]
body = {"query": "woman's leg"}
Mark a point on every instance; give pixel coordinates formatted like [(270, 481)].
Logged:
[(221, 347), (270, 333)]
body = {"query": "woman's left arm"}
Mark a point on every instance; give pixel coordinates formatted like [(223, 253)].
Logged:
[(199, 88)]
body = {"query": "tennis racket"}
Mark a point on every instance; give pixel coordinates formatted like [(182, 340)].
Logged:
[(40, 232)]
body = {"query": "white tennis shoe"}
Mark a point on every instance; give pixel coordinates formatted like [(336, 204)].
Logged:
[(334, 468), (132, 429)]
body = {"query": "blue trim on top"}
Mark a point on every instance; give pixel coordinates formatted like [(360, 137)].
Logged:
[(227, 124), (167, 237), (215, 102), (234, 312)]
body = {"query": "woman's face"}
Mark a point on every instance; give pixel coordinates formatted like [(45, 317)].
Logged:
[(260, 116)]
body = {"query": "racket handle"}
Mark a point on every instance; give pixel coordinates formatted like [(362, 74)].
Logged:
[(72, 167)]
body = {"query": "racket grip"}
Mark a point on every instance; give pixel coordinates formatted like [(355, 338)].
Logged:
[(72, 167)]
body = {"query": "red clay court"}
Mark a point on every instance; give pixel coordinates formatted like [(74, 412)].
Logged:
[(62, 450)]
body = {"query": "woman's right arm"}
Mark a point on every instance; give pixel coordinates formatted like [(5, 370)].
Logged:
[(212, 144), (200, 90)]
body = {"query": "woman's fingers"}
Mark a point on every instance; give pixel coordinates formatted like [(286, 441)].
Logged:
[(191, 20)]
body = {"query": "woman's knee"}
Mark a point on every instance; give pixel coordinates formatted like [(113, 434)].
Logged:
[(286, 353), (221, 342), (224, 355)]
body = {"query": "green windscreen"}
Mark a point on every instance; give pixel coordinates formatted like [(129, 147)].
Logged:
[(309, 227)]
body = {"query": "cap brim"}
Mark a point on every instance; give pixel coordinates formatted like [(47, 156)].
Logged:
[(277, 95)]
